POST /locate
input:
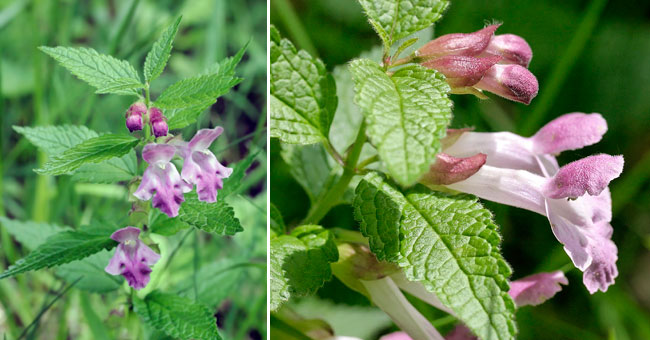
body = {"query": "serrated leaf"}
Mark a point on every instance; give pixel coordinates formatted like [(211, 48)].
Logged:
[(217, 218), (157, 57), (303, 95), (396, 19), (120, 85), (227, 66), (176, 316), (447, 242), (233, 182), (311, 167), (90, 273), (30, 234), (53, 140), (224, 273), (63, 247), (93, 150), (180, 118), (407, 115), (300, 262), (99, 70), (195, 91), (161, 224)]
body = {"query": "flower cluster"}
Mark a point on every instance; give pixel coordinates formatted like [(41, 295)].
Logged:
[(137, 114), (480, 60), (524, 173)]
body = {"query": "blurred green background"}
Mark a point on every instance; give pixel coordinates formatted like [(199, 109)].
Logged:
[(34, 90), (589, 56)]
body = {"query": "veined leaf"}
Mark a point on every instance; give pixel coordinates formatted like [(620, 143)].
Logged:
[(311, 167), (53, 140), (180, 118), (396, 19), (176, 316), (63, 247), (233, 182), (447, 242), (300, 262), (195, 91), (407, 115), (157, 57), (303, 94), (217, 218), (227, 66), (31, 234), (121, 85), (102, 71), (92, 150)]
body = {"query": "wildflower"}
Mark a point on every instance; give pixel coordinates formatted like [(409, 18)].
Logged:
[(161, 180), (200, 166), (479, 61), (134, 116), (158, 122), (132, 259), (520, 172)]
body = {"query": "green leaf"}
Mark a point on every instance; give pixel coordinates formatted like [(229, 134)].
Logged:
[(176, 316), (157, 58), (407, 115), (277, 221), (102, 71), (198, 93), (91, 271), (217, 218), (300, 263), (396, 19), (161, 224), (31, 234), (53, 140), (303, 95), (63, 247), (180, 118), (233, 182), (447, 242), (92, 150), (226, 274)]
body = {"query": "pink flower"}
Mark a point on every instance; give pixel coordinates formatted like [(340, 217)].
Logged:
[(161, 180), (513, 48), (575, 197), (132, 258), (201, 166), (460, 44), (134, 116), (512, 82), (158, 122)]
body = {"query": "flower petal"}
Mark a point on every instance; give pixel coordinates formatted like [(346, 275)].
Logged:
[(158, 153), (448, 169), (204, 137), (512, 81), (165, 181), (462, 70), (513, 48), (569, 132), (467, 44), (118, 262), (591, 175), (126, 234), (602, 271), (144, 254), (537, 288)]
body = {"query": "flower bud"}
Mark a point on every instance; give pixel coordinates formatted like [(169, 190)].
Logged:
[(448, 169), (464, 44), (158, 122), (134, 116), (513, 48), (511, 81), (462, 71)]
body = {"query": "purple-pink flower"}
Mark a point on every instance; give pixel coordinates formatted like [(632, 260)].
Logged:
[(200, 166), (134, 116), (161, 180), (520, 172), (478, 61), (158, 121), (132, 259)]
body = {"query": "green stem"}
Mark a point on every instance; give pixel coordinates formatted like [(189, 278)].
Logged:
[(563, 67), (334, 194), (292, 23), (335, 154), (363, 164)]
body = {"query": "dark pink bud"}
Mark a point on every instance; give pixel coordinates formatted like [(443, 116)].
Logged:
[(462, 71), (158, 122), (466, 44), (134, 116), (448, 169), (513, 82), (513, 48)]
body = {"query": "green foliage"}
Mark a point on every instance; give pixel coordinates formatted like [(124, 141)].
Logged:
[(217, 218), (396, 19), (311, 167), (176, 316), (303, 94), (54, 140), (233, 182), (447, 242), (300, 262), (63, 247), (93, 150), (30, 234), (407, 115), (277, 222), (157, 58), (90, 273), (107, 74)]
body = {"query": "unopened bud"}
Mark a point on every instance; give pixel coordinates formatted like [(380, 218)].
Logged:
[(510, 81), (448, 169), (462, 71), (134, 116), (513, 48), (158, 122), (466, 44)]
